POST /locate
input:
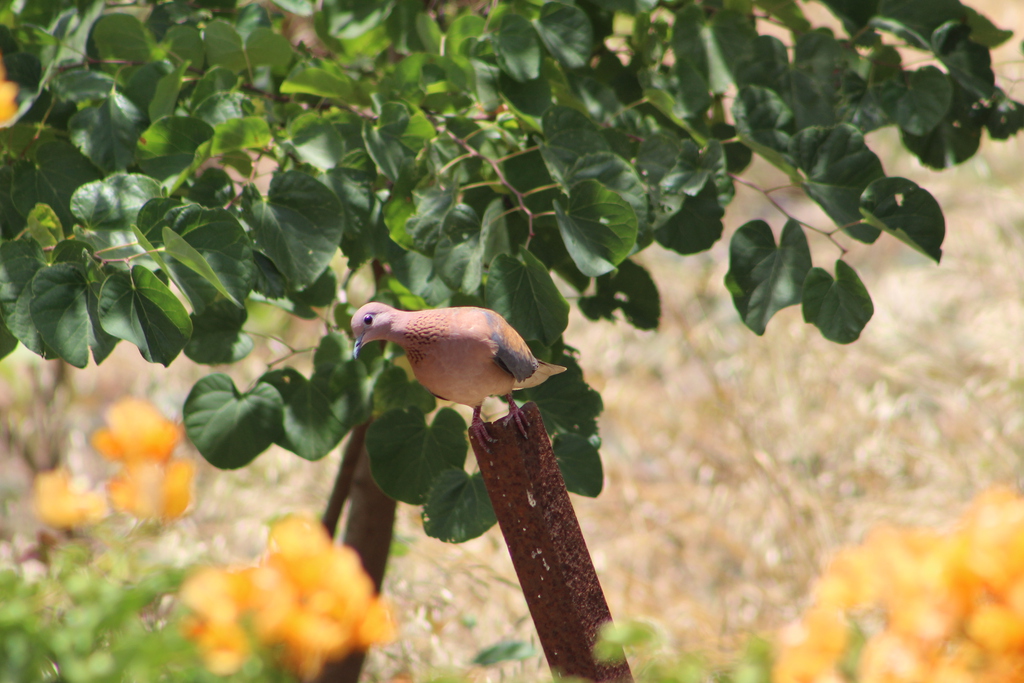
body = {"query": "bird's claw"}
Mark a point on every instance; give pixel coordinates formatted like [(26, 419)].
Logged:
[(515, 414)]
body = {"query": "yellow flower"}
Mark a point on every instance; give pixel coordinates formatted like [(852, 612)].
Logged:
[(136, 432), (223, 646), (152, 490), (309, 599), (8, 96), (58, 502)]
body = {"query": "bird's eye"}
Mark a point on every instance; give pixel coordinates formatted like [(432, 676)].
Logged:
[(367, 319)]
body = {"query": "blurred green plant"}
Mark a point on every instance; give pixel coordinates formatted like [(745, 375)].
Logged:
[(81, 620)]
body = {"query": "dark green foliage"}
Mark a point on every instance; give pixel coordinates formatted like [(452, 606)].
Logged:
[(498, 160)]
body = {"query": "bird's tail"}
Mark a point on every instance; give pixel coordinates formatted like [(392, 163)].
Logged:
[(543, 371)]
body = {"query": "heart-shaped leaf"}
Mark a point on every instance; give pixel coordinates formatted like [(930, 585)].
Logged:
[(228, 428), (907, 212), (138, 307), (763, 278), (598, 227), (407, 455), (458, 507), (839, 307), (526, 296)]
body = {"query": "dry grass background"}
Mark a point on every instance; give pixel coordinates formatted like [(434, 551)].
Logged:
[(734, 464)]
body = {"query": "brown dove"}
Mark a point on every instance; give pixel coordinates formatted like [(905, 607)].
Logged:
[(461, 354)]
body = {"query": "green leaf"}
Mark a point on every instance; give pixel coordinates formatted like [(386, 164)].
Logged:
[(615, 174), (954, 140), (107, 133), (61, 169), (580, 464), (919, 102), (298, 225), (169, 145), (505, 651), (459, 254), (599, 227), (715, 46), (185, 44), (319, 411), (532, 98), (462, 27), (44, 226), (114, 202), (762, 121), (526, 296), (839, 166), (213, 189), (224, 46), (407, 455), (693, 168), (165, 97), (969, 63), (763, 278), (458, 508), (631, 289), (225, 259), (695, 226), (983, 31), (137, 307), (569, 135), (907, 212), (840, 308), (566, 33), (517, 48), (264, 46), (122, 37), (394, 390), (175, 246), (8, 342), (229, 428), (397, 138), (322, 82), (80, 85), (217, 336), (1005, 119), (250, 132), (19, 262), (60, 311)]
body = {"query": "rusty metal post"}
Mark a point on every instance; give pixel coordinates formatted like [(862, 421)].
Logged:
[(547, 548)]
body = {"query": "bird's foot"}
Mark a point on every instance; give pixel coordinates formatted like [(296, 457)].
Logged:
[(516, 414), (478, 429)]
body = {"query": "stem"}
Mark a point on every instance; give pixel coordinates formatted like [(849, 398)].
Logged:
[(830, 234), (343, 482)]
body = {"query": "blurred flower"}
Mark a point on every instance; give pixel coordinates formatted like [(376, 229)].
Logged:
[(58, 502), (151, 485), (951, 604), (309, 598), (8, 96), (136, 432), (153, 490)]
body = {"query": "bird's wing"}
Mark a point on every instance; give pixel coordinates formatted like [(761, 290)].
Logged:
[(510, 353)]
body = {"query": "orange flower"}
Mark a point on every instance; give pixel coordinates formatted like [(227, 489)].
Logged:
[(58, 502), (153, 490), (223, 646), (310, 599), (8, 97), (136, 432)]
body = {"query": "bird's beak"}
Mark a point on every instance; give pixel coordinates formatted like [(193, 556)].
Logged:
[(357, 346)]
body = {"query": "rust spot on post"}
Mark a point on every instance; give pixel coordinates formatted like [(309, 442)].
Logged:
[(547, 548)]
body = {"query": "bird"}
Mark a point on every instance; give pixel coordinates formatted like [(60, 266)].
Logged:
[(462, 354)]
